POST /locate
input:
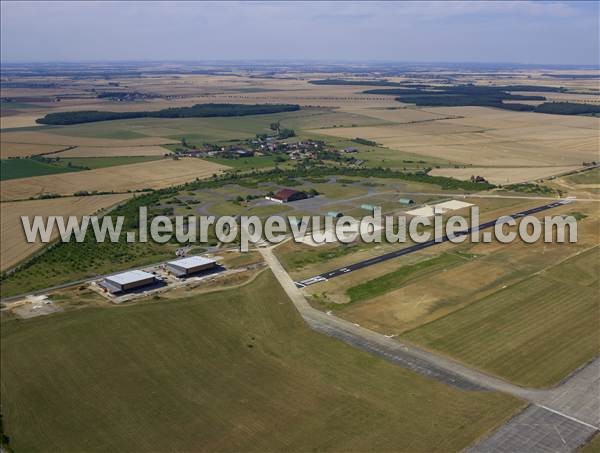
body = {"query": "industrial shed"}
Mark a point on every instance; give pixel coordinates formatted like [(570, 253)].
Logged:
[(287, 195), (127, 281), (189, 266)]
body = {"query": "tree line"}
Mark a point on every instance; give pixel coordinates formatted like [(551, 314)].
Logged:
[(196, 111)]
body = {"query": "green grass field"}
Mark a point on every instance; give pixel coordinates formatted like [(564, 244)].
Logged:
[(25, 168), (586, 177), (533, 333), (227, 371), (395, 279), (117, 130)]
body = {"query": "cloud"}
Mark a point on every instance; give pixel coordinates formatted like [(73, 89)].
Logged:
[(401, 31)]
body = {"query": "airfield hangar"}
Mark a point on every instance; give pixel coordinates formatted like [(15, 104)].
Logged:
[(127, 281), (288, 195), (189, 266)]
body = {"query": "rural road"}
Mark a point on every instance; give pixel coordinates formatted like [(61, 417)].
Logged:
[(558, 419)]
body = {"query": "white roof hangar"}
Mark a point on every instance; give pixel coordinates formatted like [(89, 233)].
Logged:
[(127, 280), (191, 265), (192, 262), (129, 277)]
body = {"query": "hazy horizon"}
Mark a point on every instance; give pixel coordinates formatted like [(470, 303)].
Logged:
[(519, 33)]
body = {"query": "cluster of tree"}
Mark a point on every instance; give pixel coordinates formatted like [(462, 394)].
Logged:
[(530, 188), (488, 96), (364, 141), (568, 108), (86, 193), (196, 111), (286, 133), (480, 90), (123, 95), (464, 95), (572, 76), (239, 199), (374, 83), (310, 170)]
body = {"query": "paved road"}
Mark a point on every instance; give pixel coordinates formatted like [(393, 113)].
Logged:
[(414, 248), (535, 430), (571, 408)]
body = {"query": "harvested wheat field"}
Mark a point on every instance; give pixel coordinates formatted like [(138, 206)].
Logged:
[(45, 138), (24, 149), (508, 175), (488, 137), (103, 151), (399, 114), (14, 246), (27, 120), (155, 175)]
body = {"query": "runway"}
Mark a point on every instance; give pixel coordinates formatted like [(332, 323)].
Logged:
[(423, 245)]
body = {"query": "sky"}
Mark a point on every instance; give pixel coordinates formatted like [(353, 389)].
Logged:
[(487, 32)]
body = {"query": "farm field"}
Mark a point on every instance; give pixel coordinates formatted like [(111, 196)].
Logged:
[(257, 388), (156, 174), (116, 151), (24, 149), (534, 333), (25, 168), (102, 162), (502, 140), (13, 243), (15, 121), (58, 137), (499, 176)]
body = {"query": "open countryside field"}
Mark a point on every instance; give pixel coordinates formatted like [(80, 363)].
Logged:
[(535, 332), (487, 137), (416, 290), (15, 121), (155, 174), (586, 177), (105, 151), (103, 162), (499, 176), (25, 168), (257, 388), (57, 136), (14, 245), (25, 149)]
